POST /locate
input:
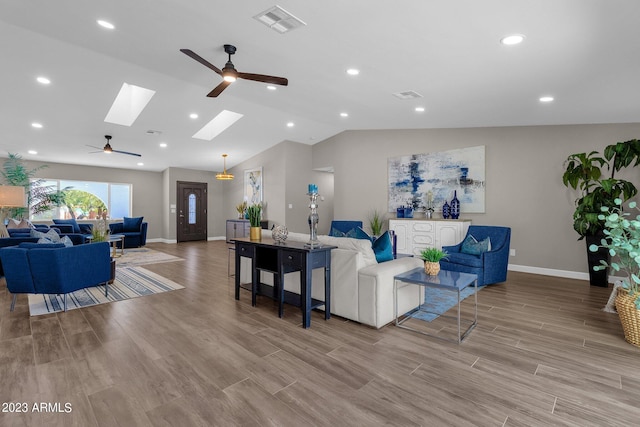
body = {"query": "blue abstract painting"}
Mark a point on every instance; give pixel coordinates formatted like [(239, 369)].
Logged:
[(413, 177)]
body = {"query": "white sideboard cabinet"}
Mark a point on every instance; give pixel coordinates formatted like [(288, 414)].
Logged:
[(414, 235)]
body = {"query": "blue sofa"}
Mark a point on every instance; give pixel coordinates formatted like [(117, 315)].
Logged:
[(14, 241), (134, 230), (52, 268), (490, 266)]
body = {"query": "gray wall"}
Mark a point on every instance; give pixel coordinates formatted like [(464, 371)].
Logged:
[(524, 189)]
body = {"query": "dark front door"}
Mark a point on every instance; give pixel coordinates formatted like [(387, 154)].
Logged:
[(192, 211)]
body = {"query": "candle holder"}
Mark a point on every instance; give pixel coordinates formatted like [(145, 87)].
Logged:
[(313, 221)]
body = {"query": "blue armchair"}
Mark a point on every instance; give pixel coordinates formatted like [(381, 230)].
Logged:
[(134, 230), (491, 265), (33, 268)]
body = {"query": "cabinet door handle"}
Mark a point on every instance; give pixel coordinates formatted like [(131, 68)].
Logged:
[(290, 257)]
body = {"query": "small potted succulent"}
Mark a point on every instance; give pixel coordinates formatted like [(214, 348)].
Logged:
[(431, 258), (622, 239)]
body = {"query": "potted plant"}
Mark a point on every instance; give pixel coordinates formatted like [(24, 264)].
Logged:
[(622, 240), (241, 209), (375, 223), (255, 232), (584, 172), (431, 258)]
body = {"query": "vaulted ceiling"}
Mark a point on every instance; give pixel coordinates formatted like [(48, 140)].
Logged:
[(583, 53)]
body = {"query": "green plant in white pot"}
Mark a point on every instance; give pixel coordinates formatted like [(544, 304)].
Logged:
[(622, 239)]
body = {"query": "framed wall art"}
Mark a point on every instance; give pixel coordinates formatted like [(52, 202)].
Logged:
[(253, 185), (412, 178)]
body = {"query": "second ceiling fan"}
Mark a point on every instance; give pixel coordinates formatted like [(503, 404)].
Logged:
[(107, 148), (229, 72)]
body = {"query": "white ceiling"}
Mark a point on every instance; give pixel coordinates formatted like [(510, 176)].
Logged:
[(585, 53)]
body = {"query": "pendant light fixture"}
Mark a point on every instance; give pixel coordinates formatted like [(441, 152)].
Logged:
[(224, 176)]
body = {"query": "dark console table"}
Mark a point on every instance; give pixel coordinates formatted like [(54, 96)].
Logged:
[(279, 259)]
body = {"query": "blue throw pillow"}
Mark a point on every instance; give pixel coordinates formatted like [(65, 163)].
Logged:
[(361, 234), (131, 224), (72, 221), (383, 248), (471, 246)]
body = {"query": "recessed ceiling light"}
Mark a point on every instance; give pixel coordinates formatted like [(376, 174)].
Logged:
[(105, 24), (344, 114), (419, 109), (546, 98), (43, 80), (353, 71), (36, 125), (271, 87), (32, 152), (140, 164), (290, 124), (193, 115), (163, 144), (512, 39)]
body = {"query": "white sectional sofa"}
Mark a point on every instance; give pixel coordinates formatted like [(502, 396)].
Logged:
[(361, 288)]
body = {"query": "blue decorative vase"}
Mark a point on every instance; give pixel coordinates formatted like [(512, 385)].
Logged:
[(455, 206), (446, 210)]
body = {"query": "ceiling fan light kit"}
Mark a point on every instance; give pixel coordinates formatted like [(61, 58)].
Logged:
[(108, 149), (229, 73)]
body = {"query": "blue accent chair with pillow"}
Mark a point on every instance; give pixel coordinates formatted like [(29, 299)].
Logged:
[(134, 230), (52, 268), (474, 255)]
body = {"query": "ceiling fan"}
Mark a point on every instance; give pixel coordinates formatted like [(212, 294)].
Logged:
[(107, 149), (229, 72)]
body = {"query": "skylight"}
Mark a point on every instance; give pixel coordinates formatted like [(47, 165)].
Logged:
[(128, 105), (217, 125)]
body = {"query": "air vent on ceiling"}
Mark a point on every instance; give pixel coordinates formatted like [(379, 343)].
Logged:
[(279, 20), (409, 94), (154, 132)]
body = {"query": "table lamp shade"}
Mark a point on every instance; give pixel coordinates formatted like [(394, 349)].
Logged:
[(12, 197)]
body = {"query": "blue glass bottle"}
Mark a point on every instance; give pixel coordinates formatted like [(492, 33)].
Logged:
[(446, 211), (455, 206)]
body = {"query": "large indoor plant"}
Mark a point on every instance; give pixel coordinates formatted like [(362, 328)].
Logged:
[(584, 172), (255, 232), (622, 240)]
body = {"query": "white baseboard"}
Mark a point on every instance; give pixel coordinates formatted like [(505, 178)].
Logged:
[(557, 273)]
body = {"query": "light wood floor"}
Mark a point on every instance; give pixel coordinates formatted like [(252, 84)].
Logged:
[(543, 354)]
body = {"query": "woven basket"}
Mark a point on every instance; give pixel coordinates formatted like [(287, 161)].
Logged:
[(629, 317), (431, 268)]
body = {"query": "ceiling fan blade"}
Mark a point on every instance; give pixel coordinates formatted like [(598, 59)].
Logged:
[(126, 152), (93, 146), (201, 60), (218, 89), (263, 78)]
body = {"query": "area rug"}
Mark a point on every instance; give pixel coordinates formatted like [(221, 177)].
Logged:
[(438, 301), (130, 282), (143, 256)]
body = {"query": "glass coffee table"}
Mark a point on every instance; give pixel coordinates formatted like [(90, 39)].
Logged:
[(448, 280)]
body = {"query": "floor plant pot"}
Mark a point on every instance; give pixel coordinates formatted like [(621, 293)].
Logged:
[(597, 278), (629, 317), (431, 268), (255, 233)]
